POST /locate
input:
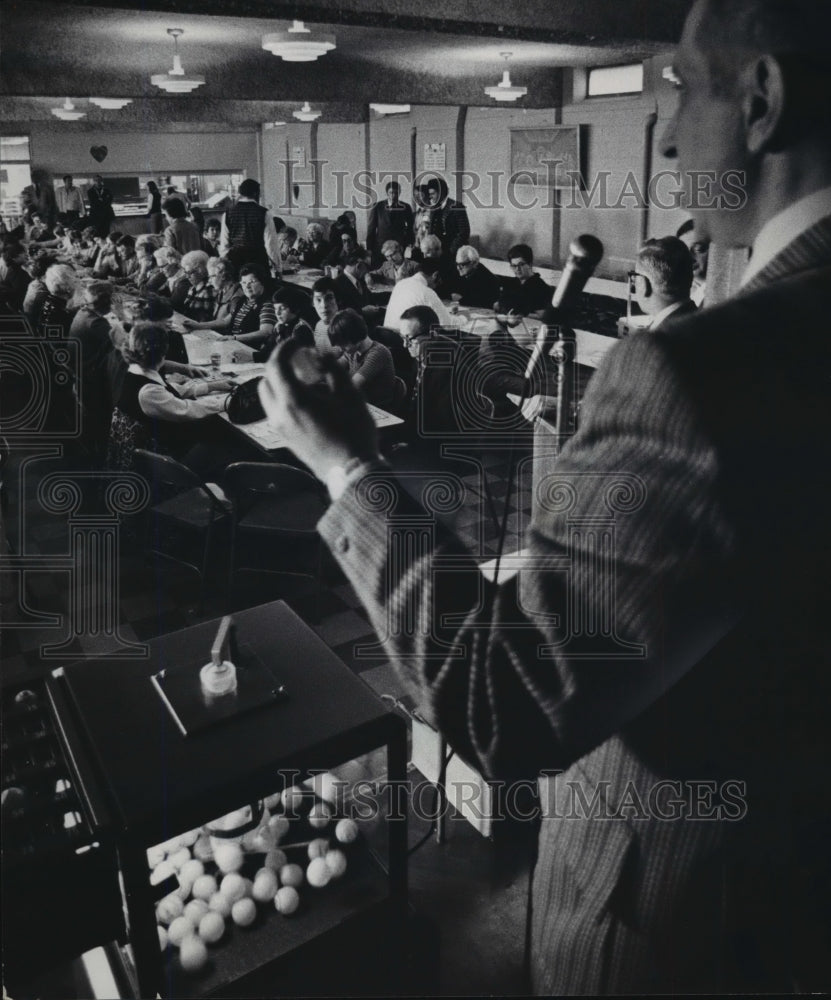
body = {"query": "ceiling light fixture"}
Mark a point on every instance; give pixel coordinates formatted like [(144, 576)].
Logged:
[(305, 114), (273, 124), (298, 43), (68, 113), (111, 103), (390, 109), (504, 90), (176, 81)]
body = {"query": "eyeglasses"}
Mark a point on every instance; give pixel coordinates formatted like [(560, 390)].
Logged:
[(518, 265), (464, 265)]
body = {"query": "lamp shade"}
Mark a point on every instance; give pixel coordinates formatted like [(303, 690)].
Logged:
[(505, 90), (68, 112), (305, 114), (298, 43), (111, 103)]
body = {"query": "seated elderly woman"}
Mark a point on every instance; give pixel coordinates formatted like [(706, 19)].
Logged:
[(168, 280), (146, 246), (92, 329), (253, 317), (227, 292), (150, 413), (56, 313), (370, 363), (287, 241), (316, 248), (200, 302), (395, 267)]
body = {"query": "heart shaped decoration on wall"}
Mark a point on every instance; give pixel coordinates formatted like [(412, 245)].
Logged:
[(99, 152)]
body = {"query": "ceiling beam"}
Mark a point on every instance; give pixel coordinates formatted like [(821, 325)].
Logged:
[(574, 22)]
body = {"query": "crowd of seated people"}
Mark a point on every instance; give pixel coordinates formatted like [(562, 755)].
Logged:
[(115, 295)]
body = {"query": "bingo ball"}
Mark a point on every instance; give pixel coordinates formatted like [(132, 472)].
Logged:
[(319, 816), (171, 846), (191, 870), (261, 841), (275, 859), (273, 801), (243, 912), (318, 874), (233, 887), (228, 857), (306, 364), (336, 863), (211, 927), (292, 798), (169, 908), (204, 887), (265, 885), (325, 786), (346, 831), (286, 901), (291, 875), (189, 839), (279, 827), (193, 954), (162, 931), (220, 904), (203, 850), (179, 858), (179, 929), (161, 872), (195, 910), (155, 855), (318, 848)]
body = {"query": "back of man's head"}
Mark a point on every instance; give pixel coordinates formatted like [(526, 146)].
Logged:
[(667, 263), (249, 188), (423, 315)]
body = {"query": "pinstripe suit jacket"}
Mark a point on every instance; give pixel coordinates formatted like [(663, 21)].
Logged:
[(682, 846)]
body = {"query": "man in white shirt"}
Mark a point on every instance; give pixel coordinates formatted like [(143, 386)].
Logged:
[(414, 291), (70, 201)]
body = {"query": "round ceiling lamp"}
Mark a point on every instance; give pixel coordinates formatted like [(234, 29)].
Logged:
[(305, 114), (68, 113), (111, 103), (176, 81), (298, 43), (504, 90)]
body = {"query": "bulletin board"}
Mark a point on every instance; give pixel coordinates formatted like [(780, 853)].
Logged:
[(532, 148)]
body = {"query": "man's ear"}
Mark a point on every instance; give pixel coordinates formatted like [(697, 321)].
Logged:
[(643, 286), (763, 102)]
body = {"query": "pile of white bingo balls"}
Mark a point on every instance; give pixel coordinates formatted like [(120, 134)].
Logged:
[(294, 838)]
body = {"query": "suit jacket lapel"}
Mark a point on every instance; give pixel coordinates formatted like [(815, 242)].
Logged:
[(811, 249)]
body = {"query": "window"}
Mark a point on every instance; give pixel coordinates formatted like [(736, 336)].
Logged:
[(208, 190), (607, 81), (15, 175)]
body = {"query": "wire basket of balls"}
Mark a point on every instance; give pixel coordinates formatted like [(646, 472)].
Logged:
[(272, 856)]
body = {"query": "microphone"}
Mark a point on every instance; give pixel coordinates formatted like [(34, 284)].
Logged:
[(584, 254)]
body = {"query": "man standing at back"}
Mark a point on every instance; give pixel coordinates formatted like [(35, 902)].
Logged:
[(661, 660), (389, 219), (248, 235)]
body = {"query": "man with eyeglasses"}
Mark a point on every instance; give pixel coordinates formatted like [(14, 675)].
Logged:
[(200, 301), (473, 282), (527, 290)]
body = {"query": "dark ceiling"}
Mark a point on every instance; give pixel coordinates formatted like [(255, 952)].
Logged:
[(387, 50)]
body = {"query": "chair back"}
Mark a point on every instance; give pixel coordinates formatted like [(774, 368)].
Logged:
[(246, 483), (166, 476)]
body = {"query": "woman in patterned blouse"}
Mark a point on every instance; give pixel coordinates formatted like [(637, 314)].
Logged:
[(253, 318)]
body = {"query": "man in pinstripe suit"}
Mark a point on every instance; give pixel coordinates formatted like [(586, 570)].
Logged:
[(672, 683)]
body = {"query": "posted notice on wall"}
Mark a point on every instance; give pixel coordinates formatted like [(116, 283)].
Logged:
[(435, 155)]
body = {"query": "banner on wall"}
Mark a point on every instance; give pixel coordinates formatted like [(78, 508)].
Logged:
[(435, 155)]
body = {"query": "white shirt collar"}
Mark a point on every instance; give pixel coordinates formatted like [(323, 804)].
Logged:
[(136, 369), (785, 227), (659, 318)]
